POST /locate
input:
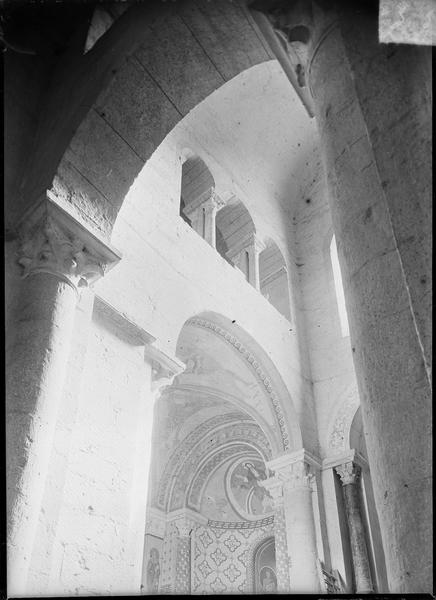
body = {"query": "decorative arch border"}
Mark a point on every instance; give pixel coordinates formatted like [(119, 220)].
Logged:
[(198, 482), (208, 392), (196, 446), (256, 367), (338, 432)]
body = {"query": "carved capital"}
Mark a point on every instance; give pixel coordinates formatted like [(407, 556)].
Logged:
[(250, 243), (295, 469), (54, 241), (348, 472), (297, 476), (208, 200), (214, 203)]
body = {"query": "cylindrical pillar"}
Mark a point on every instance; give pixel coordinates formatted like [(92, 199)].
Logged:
[(35, 369), (275, 489), (210, 210), (183, 557), (372, 106), (349, 474), (55, 262), (203, 216), (254, 250), (390, 368), (300, 524)]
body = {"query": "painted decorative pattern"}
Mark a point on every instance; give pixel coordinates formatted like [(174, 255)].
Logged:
[(222, 558), (202, 441), (339, 433), (183, 566), (281, 547), (241, 524), (254, 363)]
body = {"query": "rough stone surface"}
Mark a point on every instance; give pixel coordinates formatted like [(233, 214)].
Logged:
[(407, 22), (160, 397)]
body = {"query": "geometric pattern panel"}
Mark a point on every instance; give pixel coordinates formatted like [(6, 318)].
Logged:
[(281, 548), (220, 558)]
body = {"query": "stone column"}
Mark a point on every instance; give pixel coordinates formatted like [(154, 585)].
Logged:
[(202, 213), (349, 474), (59, 255), (294, 472), (372, 106), (250, 246), (275, 489), (184, 528)]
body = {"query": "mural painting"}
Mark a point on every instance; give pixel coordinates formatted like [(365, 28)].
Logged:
[(244, 489)]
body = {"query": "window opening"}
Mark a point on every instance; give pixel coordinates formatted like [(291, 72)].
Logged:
[(339, 289)]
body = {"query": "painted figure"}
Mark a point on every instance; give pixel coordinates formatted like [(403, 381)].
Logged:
[(268, 581)]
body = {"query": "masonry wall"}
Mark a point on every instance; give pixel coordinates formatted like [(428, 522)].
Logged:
[(93, 514), (330, 355), (169, 274)]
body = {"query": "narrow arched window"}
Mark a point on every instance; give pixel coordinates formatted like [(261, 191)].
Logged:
[(339, 289)]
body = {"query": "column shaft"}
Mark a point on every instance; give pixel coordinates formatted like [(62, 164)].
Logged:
[(387, 352), (301, 536), (281, 547), (58, 255), (359, 551), (349, 474), (210, 224), (253, 266), (183, 565), (36, 366)]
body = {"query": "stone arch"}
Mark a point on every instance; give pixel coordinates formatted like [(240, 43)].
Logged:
[(253, 549), (207, 446), (273, 274), (262, 367), (196, 185), (119, 84), (235, 225), (338, 432)]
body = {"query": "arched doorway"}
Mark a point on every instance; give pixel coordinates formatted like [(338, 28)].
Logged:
[(265, 574)]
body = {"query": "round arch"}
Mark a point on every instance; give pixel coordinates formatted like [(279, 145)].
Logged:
[(119, 84), (263, 542), (269, 380), (339, 430)]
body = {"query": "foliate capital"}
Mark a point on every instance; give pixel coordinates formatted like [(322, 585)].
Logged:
[(348, 472), (184, 526), (54, 241)]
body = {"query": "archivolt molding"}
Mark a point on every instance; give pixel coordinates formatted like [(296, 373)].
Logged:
[(200, 478), (199, 445), (257, 369), (338, 436)]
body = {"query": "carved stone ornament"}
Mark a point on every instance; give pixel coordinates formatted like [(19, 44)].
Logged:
[(208, 200), (348, 472), (184, 526), (54, 241), (296, 475)]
